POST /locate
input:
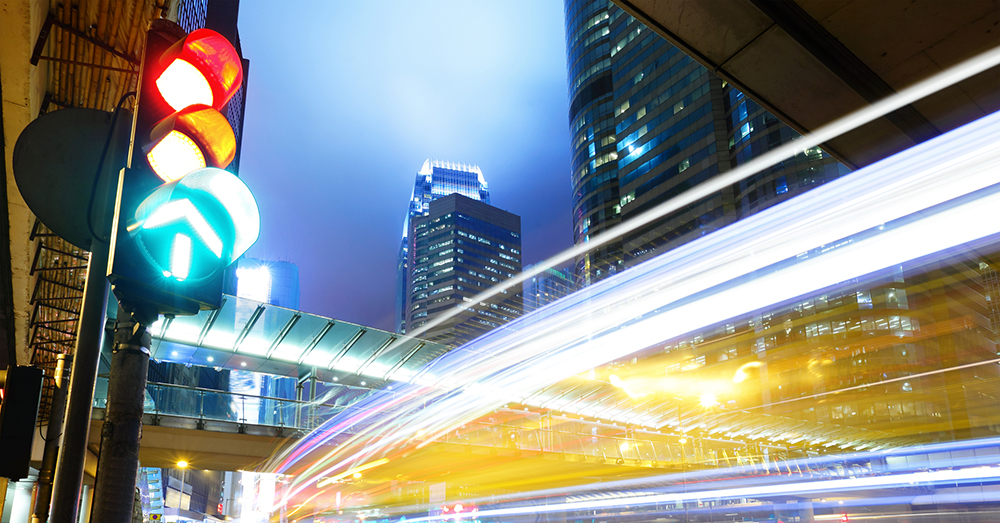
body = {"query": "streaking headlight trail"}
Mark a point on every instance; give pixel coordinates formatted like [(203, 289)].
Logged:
[(706, 281), (931, 198)]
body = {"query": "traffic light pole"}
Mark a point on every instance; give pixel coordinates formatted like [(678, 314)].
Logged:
[(90, 337), (114, 492), (40, 514)]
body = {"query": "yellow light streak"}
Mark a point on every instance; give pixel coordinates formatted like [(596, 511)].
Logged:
[(351, 472), (741, 374), (708, 400)]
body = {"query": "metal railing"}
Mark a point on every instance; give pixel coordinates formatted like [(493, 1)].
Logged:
[(204, 405), (291, 417), (638, 449)]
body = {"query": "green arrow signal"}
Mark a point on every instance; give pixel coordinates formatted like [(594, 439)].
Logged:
[(180, 258), (184, 210)]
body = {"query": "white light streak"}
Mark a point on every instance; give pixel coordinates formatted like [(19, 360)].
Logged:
[(703, 282), (959, 476)]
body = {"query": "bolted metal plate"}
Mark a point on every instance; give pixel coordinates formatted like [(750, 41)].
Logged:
[(56, 169)]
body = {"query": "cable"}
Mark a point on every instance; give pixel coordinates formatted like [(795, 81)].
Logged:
[(100, 165)]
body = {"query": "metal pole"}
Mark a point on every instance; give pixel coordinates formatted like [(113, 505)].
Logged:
[(180, 501), (298, 405), (114, 492), (86, 502), (312, 398), (80, 398), (40, 514)]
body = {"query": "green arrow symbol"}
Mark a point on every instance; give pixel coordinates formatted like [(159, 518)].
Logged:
[(184, 210), (180, 258)]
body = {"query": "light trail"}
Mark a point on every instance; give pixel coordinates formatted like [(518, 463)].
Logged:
[(722, 478), (949, 464), (730, 272), (811, 488), (699, 284)]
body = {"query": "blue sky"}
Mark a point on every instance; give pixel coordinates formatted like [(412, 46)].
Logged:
[(347, 99)]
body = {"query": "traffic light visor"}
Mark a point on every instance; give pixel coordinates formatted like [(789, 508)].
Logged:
[(191, 139), (203, 68)]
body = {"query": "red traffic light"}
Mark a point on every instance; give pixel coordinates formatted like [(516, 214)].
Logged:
[(193, 138), (201, 68)]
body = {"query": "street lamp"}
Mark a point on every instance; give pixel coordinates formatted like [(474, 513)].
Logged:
[(183, 466)]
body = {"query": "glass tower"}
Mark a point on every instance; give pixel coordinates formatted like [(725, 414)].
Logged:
[(647, 123), (461, 248), (548, 286), (434, 180)]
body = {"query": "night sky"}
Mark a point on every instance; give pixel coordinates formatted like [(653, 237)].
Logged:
[(347, 99)]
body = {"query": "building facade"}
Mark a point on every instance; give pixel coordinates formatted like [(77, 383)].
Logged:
[(647, 123), (434, 180), (461, 248), (547, 287)]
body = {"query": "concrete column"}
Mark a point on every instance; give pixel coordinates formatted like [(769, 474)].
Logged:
[(5, 497)]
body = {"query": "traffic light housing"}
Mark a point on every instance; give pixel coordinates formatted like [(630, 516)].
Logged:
[(185, 80), (181, 218), (172, 250), (22, 392)]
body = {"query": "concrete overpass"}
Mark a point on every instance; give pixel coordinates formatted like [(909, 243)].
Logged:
[(809, 62)]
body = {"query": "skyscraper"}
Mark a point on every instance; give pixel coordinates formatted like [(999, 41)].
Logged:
[(434, 180), (547, 286), (647, 123), (461, 248)]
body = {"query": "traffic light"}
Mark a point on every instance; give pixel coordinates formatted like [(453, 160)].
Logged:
[(182, 219), (19, 397)]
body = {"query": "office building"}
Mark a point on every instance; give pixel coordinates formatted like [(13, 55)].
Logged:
[(462, 247), (547, 287), (647, 123), (434, 180)]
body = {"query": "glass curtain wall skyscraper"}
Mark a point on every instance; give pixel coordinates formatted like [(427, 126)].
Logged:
[(434, 180), (647, 123), (461, 248), (547, 286)]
